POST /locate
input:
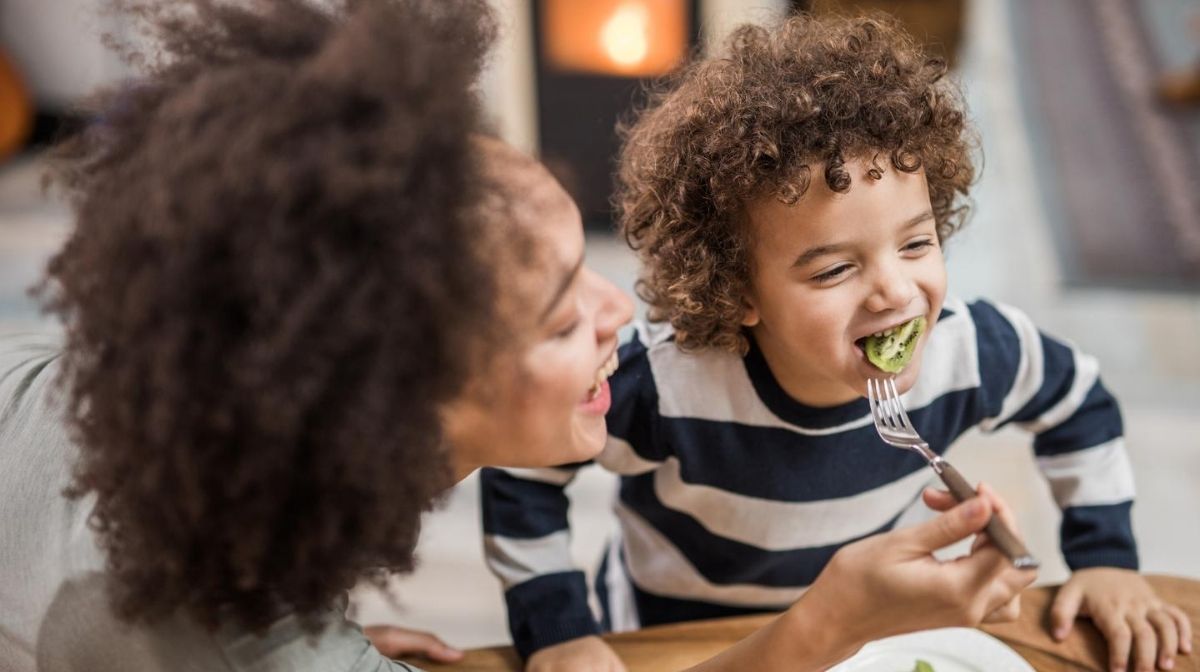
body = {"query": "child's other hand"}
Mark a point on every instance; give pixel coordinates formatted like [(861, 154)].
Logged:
[(1129, 613), (586, 654)]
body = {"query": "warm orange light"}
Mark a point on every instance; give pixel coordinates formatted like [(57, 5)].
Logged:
[(632, 38)]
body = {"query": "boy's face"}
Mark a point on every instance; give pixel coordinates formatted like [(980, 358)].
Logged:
[(834, 268)]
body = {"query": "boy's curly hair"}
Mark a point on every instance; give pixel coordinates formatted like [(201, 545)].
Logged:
[(273, 283), (758, 120)]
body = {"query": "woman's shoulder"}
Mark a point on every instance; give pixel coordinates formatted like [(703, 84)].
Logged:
[(80, 633)]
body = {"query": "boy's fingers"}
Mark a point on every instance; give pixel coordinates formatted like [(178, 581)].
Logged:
[(1145, 643), (956, 524), (1185, 627), (1116, 631), (1064, 610), (1168, 637)]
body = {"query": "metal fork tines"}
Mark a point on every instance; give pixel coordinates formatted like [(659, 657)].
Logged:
[(894, 427)]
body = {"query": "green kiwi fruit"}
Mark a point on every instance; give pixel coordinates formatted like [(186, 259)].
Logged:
[(892, 353)]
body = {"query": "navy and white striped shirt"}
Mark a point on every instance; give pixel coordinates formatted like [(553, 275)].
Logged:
[(734, 496)]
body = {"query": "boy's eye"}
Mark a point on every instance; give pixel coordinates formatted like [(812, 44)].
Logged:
[(831, 274), (918, 245)]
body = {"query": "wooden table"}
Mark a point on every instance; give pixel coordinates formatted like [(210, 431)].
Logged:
[(675, 647)]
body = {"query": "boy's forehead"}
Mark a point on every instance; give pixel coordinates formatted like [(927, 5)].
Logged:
[(874, 189)]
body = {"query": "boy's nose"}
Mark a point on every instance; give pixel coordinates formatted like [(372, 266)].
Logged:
[(892, 290)]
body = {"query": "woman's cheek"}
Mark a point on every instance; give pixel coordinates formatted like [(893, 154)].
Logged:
[(561, 373)]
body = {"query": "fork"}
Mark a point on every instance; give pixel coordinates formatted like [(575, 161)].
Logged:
[(894, 427)]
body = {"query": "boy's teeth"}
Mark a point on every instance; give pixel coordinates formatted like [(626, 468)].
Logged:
[(888, 332)]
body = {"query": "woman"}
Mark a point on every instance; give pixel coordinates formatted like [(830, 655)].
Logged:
[(301, 300)]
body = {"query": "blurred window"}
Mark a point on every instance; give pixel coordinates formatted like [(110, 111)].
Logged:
[(630, 38)]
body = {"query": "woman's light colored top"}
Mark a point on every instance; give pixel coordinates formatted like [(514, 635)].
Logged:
[(55, 615)]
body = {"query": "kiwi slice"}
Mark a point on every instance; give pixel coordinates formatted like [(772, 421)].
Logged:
[(923, 666), (892, 353)]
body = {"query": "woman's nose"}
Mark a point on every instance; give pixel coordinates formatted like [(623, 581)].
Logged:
[(614, 309), (891, 290)]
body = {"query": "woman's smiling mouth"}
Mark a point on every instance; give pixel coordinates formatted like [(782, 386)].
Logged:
[(607, 369)]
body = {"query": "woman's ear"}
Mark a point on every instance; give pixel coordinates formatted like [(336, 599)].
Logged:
[(466, 427)]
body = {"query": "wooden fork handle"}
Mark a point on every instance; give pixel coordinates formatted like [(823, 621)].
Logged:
[(997, 531)]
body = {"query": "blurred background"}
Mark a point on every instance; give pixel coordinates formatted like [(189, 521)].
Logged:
[(1087, 216)]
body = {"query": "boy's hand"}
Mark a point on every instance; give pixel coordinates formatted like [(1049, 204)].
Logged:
[(396, 642), (1129, 613), (586, 654)]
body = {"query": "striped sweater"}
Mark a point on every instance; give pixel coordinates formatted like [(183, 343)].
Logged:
[(733, 496)]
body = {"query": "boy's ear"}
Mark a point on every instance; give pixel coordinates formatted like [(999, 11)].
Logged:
[(749, 312)]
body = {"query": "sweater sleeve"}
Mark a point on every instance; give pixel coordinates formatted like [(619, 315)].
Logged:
[(527, 534), (527, 545), (1052, 390)]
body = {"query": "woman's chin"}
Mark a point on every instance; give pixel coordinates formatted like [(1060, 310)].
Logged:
[(591, 433)]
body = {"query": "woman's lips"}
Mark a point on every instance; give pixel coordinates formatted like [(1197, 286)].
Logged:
[(606, 369), (598, 403)]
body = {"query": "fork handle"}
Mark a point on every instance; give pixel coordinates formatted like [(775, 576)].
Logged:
[(997, 531)]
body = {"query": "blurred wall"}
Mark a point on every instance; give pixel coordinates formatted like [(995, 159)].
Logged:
[(508, 83), (57, 45)]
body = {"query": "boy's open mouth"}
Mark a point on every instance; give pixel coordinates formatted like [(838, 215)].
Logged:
[(892, 349)]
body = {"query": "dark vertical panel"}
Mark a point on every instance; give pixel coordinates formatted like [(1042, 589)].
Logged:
[(577, 117)]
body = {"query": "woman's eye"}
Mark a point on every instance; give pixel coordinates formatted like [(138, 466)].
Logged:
[(569, 329), (831, 274)]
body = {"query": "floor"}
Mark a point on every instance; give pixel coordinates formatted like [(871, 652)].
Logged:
[(1147, 343)]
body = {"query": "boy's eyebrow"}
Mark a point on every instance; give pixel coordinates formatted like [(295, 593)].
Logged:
[(919, 219), (821, 250), (814, 252), (563, 286)]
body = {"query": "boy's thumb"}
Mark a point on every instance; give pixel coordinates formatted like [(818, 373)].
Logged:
[(954, 525)]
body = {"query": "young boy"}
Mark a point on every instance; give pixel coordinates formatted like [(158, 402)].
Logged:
[(790, 200)]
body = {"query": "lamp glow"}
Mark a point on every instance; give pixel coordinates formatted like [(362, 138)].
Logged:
[(625, 35)]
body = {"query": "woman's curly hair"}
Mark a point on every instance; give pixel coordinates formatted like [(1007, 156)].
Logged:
[(811, 92), (274, 281)]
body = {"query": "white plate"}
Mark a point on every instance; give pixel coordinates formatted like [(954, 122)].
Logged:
[(947, 649)]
